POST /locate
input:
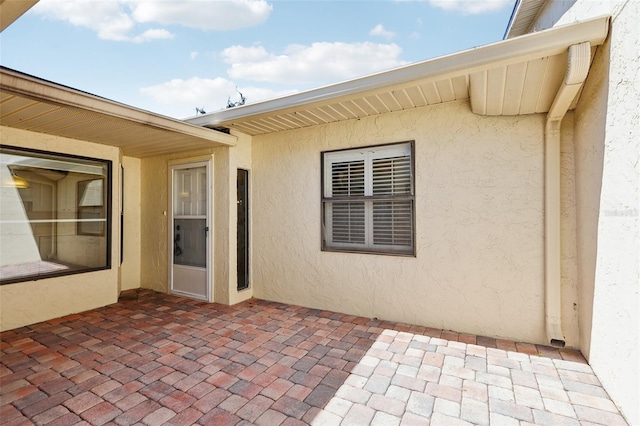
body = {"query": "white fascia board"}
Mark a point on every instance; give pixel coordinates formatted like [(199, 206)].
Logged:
[(25, 85), (530, 46)]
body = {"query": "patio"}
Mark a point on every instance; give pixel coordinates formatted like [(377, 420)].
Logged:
[(158, 359)]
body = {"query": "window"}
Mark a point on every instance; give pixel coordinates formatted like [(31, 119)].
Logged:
[(54, 214), (368, 200)]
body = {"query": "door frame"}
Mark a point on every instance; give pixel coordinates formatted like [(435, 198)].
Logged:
[(186, 163)]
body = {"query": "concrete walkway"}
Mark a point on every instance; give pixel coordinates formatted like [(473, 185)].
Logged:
[(154, 359)]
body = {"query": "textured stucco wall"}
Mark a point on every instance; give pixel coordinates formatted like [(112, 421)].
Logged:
[(130, 268), (590, 132), (479, 224), (607, 151), (33, 301), (608, 130)]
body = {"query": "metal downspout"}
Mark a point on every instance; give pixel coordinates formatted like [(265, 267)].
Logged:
[(577, 70)]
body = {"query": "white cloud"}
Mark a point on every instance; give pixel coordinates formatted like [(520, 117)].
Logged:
[(242, 54), (179, 98), (193, 55), (471, 7), (380, 30), (216, 15), (107, 18), (152, 35), (319, 63), (118, 20)]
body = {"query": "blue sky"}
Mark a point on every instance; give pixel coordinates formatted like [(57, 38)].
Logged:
[(171, 56)]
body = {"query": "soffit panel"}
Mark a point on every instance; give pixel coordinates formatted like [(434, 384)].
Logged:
[(554, 74), (416, 96), (134, 138), (445, 89), (525, 87), (514, 86)]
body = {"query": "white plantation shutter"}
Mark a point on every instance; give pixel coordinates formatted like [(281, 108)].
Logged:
[(368, 199), (347, 178), (348, 224), (392, 219)]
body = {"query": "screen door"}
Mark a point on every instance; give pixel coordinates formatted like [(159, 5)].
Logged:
[(189, 239)]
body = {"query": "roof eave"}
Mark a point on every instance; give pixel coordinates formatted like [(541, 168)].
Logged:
[(25, 85), (524, 15), (548, 42), (11, 10)]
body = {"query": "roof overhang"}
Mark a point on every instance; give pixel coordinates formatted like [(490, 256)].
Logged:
[(37, 105), (511, 77), (10, 10), (525, 13)]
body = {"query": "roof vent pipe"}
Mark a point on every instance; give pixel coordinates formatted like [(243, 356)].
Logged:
[(577, 69)]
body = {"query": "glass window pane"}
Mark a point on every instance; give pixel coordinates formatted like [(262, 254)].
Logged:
[(345, 223), (53, 214), (392, 176), (392, 223), (347, 178), (190, 242)]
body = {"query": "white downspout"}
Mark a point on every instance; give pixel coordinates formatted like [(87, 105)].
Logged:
[(577, 69)]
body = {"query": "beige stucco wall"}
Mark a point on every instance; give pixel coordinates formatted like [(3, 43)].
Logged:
[(479, 224), (606, 129), (609, 133), (132, 241), (607, 153), (33, 301), (154, 227)]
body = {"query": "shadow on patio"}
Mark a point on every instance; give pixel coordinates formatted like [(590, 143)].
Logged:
[(159, 359)]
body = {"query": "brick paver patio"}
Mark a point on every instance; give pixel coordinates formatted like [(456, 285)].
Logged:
[(156, 359)]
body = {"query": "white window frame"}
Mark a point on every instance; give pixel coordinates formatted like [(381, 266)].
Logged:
[(368, 155)]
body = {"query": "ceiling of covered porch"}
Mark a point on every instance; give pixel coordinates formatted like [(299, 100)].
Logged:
[(37, 105)]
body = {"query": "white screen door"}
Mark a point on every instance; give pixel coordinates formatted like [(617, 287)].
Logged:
[(189, 230)]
